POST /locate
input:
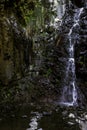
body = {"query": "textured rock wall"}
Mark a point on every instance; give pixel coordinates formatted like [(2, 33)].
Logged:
[(79, 40), (81, 53), (15, 47)]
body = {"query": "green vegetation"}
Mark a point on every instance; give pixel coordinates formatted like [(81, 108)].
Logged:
[(33, 14)]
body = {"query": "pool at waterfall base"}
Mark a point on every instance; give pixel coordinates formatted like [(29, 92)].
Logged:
[(62, 118)]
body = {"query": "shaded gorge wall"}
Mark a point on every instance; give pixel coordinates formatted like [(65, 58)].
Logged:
[(24, 35), (33, 43), (15, 47), (79, 38)]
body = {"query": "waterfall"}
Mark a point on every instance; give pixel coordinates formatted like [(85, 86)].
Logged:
[(69, 94), (59, 8)]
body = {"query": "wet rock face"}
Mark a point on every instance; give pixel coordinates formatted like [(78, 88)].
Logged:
[(79, 3), (15, 48), (81, 48), (81, 53), (79, 38)]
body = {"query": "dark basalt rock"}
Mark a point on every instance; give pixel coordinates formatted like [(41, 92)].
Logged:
[(79, 38), (79, 3), (15, 49), (81, 48)]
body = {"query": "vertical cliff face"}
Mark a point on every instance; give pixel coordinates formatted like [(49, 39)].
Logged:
[(81, 3), (79, 39), (16, 51), (6, 48), (15, 47), (81, 52)]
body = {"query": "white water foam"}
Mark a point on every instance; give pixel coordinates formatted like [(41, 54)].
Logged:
[(69, 96)]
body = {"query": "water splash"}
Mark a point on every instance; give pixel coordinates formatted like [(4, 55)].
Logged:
[(69, 96), (34, 121), (81, 119)]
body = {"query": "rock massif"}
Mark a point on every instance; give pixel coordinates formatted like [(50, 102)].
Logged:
[(81, 52), (15, 47), (79, 38), (16, 53)]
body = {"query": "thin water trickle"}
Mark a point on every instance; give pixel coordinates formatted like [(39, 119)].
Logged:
[(69, 96)]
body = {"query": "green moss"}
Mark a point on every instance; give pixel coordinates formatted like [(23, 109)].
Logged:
[(48, 72)]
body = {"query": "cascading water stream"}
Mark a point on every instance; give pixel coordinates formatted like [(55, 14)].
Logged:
[(69, 96)]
